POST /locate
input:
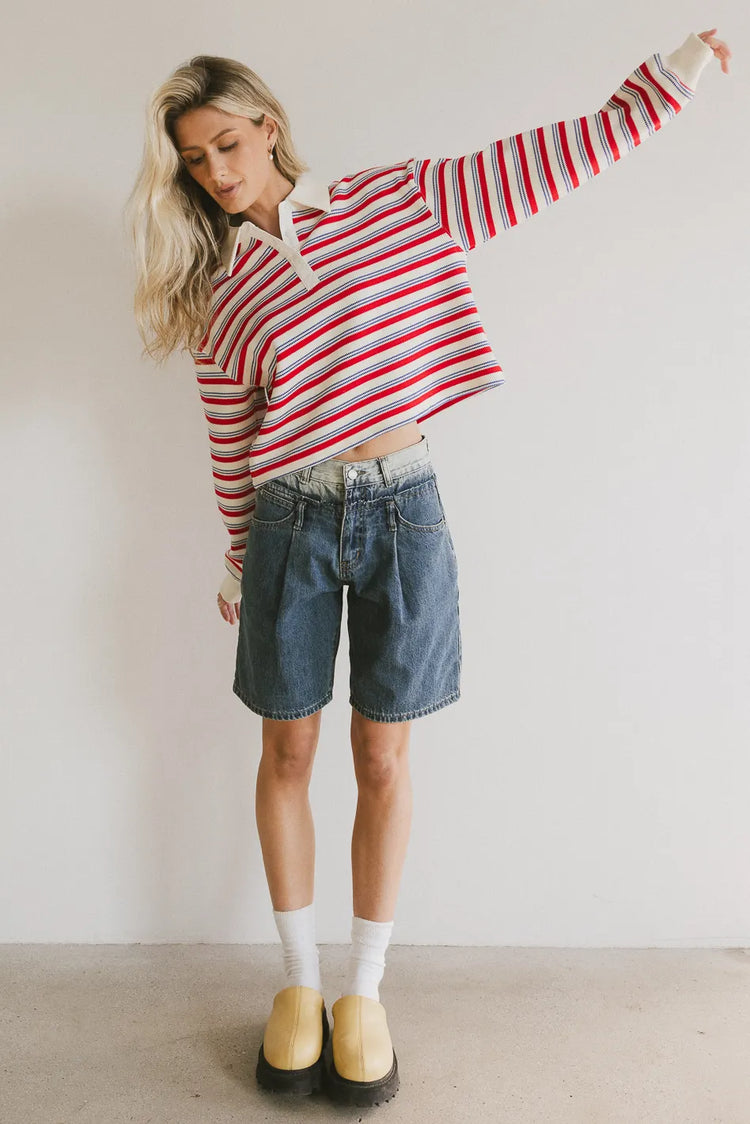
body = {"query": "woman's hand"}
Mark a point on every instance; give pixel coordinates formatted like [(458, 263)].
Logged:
[(230, 610), (718, 47)]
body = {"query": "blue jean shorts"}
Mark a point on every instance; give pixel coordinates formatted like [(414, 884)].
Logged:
[(379, 528)]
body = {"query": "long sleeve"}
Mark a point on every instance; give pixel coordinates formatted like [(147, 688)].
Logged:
[(234, 414), (473, 197)]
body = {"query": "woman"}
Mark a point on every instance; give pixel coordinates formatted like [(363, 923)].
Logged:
[(326, 322)]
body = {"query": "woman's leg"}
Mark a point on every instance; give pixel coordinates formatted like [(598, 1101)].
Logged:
[(379, 841), (364, 1068), (282, 809), (291, 1053), (383, 818)]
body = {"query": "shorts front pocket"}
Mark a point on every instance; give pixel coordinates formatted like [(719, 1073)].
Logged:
[(420, 508), (272, 509)]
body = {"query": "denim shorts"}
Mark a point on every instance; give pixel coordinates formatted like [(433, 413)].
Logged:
[(379, 528)]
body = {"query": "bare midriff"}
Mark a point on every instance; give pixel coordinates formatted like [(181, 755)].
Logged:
[(383, 444)]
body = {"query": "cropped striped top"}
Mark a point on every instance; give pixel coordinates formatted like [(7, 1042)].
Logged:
[(361, 318)]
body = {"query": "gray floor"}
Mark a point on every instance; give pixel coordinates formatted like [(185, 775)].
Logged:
[(157, 1034)]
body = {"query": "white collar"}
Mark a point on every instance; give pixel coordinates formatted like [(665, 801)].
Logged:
[(308, 191)]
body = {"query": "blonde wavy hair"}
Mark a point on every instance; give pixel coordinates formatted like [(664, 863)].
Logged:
[(176, 229)]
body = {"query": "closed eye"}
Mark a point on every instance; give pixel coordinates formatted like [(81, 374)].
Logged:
[(228, 148)]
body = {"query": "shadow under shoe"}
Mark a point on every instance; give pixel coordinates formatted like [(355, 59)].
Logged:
[(362, 1068), (290, 1059)]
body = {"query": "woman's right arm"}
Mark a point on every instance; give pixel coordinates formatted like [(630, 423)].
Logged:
[(234, 414)]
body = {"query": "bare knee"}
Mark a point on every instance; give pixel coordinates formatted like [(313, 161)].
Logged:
[(380, 751), (289, 747)]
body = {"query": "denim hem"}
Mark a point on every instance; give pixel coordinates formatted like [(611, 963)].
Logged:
[(282, 715), (407, 715)]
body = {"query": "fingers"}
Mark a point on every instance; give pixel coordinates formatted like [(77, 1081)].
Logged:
[(230, 610), (723, 54), (720, 49)]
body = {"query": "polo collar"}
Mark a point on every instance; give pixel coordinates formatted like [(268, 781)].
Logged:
[(308, 191)]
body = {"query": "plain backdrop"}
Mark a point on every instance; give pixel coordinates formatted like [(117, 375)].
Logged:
[(590, 787)]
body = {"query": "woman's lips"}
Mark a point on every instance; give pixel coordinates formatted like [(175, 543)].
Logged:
[(226, 192)]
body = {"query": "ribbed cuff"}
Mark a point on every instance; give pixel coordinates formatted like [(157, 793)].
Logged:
[(231, 589), (688, 61)]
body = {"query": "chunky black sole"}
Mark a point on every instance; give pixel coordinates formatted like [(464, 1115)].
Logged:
[(363, 1094), (300, 1082)]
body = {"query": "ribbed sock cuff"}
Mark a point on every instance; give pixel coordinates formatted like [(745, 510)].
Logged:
[(366, 966), (301, 958)]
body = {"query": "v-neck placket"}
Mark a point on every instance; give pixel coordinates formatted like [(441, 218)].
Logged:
[(287, 245), (307, 191)]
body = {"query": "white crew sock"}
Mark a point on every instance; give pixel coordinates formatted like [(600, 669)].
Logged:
[(301, 958), (367, 957)]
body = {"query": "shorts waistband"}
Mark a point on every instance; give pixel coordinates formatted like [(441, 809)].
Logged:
[(376, 470)]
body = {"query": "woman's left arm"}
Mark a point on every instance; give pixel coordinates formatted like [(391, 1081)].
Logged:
[(476, 196)]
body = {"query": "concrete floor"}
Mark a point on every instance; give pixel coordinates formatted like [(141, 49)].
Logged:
[(169, 1034)]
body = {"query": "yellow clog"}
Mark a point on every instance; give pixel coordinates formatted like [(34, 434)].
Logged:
[(290, 1059), (363, 1069)]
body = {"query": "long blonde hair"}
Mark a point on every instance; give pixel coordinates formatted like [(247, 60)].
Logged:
[(175, 227)]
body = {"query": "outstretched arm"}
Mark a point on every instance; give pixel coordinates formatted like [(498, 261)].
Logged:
[(475, 196)]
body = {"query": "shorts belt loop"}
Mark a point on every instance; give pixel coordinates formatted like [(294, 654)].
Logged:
[(305, 473), (384, 468)]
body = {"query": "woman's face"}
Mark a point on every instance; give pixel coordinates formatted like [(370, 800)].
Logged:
[(222, 150)]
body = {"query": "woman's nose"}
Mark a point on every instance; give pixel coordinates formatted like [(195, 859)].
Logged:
[(216, 169)]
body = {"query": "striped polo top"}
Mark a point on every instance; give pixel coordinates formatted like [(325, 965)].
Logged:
[(361, 317)]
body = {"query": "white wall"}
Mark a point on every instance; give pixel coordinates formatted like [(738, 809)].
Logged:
[(591, 785)]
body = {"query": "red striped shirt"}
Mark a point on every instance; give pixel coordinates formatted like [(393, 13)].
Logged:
[(361, 317)]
